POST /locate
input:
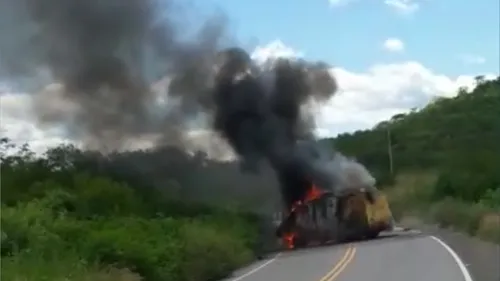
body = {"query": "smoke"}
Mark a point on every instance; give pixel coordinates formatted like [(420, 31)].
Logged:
[(262, 111), (102, 58), (351, 174)]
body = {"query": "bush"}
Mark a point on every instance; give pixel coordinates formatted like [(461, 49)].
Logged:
[(458, 214), (25, 226), (98, 196), (156, 249), (410, 193), (489, 227), (415, 195), (167, 249), (29, 266), (148, 247), (210, 253), (492, 199), (61, 222), (468, 176)]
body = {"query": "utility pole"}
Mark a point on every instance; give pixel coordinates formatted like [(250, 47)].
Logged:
[(389, 151)]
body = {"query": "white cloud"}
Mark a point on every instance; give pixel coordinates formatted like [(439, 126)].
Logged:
[(18, 123), (394, 45), (368, 97), (403, 6), (274, 49), (364, 99), (472, 59), (382, 91)]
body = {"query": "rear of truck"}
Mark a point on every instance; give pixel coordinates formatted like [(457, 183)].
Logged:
[(363, 214)]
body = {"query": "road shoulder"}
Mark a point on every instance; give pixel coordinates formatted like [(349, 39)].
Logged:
[(481, 258)]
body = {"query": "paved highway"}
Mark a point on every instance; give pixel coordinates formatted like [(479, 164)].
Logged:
[(392, 258)]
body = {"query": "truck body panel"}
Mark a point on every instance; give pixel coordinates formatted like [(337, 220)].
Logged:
[(353, 215)]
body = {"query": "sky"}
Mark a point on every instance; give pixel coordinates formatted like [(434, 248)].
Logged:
[(388, 56), (451, 37)]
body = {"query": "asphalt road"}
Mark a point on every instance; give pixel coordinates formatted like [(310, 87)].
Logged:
[(408, 257)]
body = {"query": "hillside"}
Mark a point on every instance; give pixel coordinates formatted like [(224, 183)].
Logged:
[(454, 142)]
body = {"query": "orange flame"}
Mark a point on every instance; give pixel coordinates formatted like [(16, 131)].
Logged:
[(312, 193), (288, 239)]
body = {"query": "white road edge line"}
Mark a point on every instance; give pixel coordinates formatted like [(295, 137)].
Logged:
[(257, 268), (457, 259)]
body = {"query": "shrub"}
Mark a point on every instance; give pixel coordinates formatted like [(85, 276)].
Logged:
[(489, 227), (411, 192), (492, 199), (468, 176), (59, 223), (25, 226), (29, 266), (98, 196), (148, 247), (457, 214), (209, 253), (157, 249)]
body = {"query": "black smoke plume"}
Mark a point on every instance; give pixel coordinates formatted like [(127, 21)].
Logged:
[(105, 54), (259, 109)]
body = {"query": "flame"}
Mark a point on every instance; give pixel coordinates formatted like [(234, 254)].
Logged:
[(288, 239), (312, 193)]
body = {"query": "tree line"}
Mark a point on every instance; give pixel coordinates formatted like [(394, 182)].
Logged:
[(159, 214), (455, 139)]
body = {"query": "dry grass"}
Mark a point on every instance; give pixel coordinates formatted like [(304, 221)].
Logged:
[(411, 221), (410, 199), (409, 192), (489, 227)]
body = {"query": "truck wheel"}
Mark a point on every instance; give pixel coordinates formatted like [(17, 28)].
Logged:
[(299, 242), (373, 234)]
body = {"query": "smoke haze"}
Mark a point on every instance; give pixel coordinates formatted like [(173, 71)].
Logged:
[(102, 58)]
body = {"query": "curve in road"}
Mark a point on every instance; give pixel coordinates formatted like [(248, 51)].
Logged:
[(390, 258)]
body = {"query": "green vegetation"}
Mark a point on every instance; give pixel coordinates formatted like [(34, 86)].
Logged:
[(165, 215), (446, 159), (72, 215)]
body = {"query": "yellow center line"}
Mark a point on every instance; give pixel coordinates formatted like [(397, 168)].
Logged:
[(346, 263), (341, 265)]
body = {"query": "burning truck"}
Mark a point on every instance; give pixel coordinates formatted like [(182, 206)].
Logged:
[(324, 217), (264, 112), (355, 210)]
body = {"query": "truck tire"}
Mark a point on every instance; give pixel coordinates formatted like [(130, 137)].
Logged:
[(299, 242), (372, 234)]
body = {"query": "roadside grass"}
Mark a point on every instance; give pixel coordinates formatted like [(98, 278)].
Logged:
[(411, 197), (30, 266), (489, 227)]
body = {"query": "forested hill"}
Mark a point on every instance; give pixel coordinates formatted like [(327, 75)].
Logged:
[(461, 133)]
